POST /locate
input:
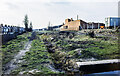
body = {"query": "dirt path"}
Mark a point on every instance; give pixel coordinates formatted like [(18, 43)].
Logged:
[(13, 64)]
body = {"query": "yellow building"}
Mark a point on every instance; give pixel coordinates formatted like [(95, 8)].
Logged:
[(73, 25)]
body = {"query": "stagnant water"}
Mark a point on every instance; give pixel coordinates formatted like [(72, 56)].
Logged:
[(13, 64), (110, 73)]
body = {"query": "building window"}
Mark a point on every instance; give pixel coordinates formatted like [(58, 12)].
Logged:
[(65, 27)]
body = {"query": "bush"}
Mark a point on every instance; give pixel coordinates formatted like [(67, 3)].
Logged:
[(91, 34)]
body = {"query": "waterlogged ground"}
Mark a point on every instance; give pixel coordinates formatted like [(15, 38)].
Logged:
[(57, 53)]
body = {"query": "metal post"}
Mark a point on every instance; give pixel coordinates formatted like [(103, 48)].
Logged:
[(98, 26), (87, 26), (92, 25), (106, 25), (114, 25)]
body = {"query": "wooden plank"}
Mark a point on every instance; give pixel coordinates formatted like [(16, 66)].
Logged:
[(98, 62), (99, 66)]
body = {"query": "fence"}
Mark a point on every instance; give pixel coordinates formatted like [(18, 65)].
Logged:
[(9, 32)]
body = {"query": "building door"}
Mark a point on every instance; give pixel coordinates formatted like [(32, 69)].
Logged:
[(80, 28)]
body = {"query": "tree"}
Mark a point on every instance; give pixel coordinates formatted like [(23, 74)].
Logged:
[(26, 21)]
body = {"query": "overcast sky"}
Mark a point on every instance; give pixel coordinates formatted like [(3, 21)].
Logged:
[(40, 12)]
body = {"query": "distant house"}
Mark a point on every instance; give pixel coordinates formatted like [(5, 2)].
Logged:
[(112, 22), (54, 28), (44, 29), (50, 28), (76, 25), (40, 30), (57, 28)]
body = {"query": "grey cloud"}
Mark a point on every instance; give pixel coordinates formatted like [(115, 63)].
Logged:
[(12, 6)]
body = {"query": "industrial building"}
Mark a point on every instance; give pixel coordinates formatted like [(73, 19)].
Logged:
[(112, 22), (93, 25)]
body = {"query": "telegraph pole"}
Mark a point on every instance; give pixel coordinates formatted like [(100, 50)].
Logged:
[(49, 25)]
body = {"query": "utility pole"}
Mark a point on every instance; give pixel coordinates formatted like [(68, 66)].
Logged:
[(49, 25)]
